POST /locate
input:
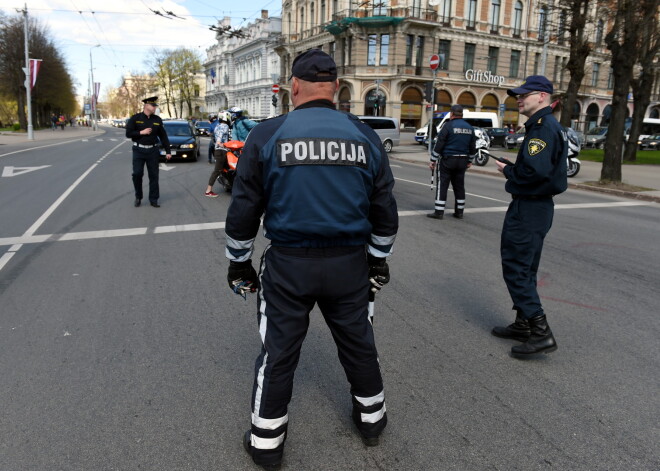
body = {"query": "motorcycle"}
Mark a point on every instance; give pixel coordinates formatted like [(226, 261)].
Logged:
[(483, 143), (226, 177), (572, 162)]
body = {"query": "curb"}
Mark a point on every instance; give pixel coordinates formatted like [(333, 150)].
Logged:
[(575, 186)]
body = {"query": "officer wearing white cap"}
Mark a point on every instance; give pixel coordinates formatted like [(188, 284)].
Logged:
[(538, 174), (145, 129), (324, 182)]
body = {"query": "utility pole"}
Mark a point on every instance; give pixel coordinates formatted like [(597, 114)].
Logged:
[(28, 79), (94, 98)]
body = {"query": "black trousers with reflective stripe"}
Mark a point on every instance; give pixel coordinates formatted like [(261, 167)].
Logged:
[(293, 280), (452, 170)]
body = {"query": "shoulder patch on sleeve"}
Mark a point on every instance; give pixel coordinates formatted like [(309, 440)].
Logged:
[(535, 146)]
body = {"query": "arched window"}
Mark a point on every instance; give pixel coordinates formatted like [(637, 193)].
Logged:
[(443, 100), (517, 18), (345, 100), (490, 103), (467, 100), (494, 15)]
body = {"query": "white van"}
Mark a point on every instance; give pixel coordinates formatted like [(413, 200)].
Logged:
[(478, 119), (387, 129)]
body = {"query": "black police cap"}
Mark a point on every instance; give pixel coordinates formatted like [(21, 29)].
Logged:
[(152, 100), (314, 66)]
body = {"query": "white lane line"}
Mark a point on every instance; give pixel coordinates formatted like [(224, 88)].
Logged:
[(209, 226), (30, 232), (427, 184), (40, 147)]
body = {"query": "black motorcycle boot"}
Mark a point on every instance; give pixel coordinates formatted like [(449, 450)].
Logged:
[(519, 330), (248, 448), (458, 213), (540, 340), (436, 214)]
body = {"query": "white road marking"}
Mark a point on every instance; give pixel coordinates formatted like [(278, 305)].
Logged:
[(427, 184), (30, 232), (14, 171), (210, 226), (38, 147), (162, 166)]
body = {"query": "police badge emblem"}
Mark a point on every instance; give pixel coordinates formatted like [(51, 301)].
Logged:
[(535, 146)]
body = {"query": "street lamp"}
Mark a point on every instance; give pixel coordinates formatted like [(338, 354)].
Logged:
[(91, 70)]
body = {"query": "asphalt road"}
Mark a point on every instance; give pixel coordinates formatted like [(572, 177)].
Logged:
[(121, 348)]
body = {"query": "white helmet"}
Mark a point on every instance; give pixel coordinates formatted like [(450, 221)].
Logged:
[(224, 116)]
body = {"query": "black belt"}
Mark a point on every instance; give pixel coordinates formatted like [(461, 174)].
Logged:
[(135, 144), (457, 156), (531, 197)]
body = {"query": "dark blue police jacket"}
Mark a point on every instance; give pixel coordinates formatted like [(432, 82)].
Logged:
[(455, 138), (540, 168), (322, 178)]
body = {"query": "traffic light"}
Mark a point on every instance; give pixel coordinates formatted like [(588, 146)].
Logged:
[(428, 92), (274, 100)]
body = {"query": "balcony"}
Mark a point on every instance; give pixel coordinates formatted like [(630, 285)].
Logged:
[(377, 17)]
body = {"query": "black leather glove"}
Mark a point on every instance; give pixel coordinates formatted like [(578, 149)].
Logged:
[(379, 272), (242, 277)]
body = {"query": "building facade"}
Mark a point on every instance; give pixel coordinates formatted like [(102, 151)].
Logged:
[(242, 67), (484, 46)]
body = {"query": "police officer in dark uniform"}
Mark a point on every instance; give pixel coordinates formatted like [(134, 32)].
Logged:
[(324, 182), (145, 129), (455, 147), (538, 174)]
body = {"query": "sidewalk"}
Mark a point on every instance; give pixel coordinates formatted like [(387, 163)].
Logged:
[(647, 176), (43, 135)]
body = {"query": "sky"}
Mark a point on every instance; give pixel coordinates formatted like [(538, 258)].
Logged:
[(127, 30)]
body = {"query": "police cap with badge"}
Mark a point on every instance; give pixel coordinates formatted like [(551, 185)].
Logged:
[(533, 83), (152, 100)]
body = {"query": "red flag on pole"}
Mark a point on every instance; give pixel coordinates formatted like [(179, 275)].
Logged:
[(34, 70)]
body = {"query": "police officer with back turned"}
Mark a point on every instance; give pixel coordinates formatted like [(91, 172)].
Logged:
[(324, 182), (538, 174), (145, 129), (455, 149)]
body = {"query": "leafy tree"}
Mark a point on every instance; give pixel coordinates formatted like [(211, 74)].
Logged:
[(175, 73), (54, 91)]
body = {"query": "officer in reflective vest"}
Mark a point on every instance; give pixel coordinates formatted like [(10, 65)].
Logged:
[(538, 174), (324, 182)]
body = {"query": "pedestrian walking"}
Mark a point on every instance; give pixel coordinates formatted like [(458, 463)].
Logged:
[(324, 182), (451, 157), (220, 135), (538, 174), (213, 119), (145, 129)]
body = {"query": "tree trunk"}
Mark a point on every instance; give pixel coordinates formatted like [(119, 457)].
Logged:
[(622, 40)]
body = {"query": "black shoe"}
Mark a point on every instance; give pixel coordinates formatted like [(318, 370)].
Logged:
[(137, 202), (436, 214), (458, 215), (247, 444), (155, 205), (519, 330), (540, 340)]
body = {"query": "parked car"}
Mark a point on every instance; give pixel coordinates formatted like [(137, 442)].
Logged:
[(386, 128), (184, 141), (203, 128), (514, 140), (497, 136), (595, 137), (649, 143)]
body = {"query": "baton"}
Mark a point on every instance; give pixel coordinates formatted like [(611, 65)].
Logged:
[(432, 175), (370, 312)]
